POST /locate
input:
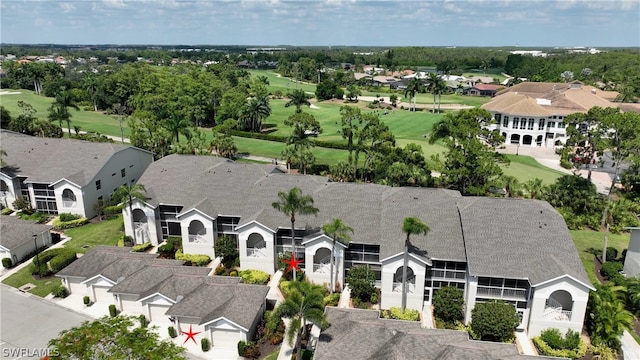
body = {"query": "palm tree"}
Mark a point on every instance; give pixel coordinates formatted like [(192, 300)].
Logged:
[(59, 110), (337, 230), (91, 85), (414, 86), (436, 85), (256, 110), (303, 302), (511, 185), (534, 187), (177, 125), (609, 318), (129, 193), (411, 226), (292, 203), (298, 98)]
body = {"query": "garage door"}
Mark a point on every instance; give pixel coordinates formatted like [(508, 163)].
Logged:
[(225, 338), (102, 296), (157, 313)]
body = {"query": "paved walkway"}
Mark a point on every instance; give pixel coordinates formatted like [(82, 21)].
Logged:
[(345, 298), (524, 344), (630, 347), (427, 317)]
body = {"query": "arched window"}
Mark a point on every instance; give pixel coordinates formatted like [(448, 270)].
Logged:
[(197, 232), (411, 280), (68, 198)]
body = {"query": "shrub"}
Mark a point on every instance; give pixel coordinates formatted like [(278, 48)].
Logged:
[(65, 217), (51, 261), (361, 281), (551, 343), (112, 210), (86, 300), (219, 270), (141, 247), (22, 204), (396, 313), (494, 321), (256, 277), (7, 263), (241, 346), (611, 269), (448, 303), (604, 352), (60, 261), (226, 247), (128, 240), (38, 217), (233, 273), (205, 344), (6, 211), (193, 259), (60, 292), (112, 310), (143, 321), (331, 300), (172, 332), (612, 253)]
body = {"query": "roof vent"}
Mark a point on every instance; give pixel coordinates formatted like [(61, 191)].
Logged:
[(179, 297)]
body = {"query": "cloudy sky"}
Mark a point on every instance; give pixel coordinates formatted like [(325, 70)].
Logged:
[(597, 23)]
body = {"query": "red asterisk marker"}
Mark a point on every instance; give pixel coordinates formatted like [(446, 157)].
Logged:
[(293, 263), (190, 335)]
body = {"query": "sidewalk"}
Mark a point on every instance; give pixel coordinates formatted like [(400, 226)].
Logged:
[(525, 344), (630, 347)]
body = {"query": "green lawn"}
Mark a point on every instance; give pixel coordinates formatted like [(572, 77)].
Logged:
[(103, 233), (524, 168), (273, 355), (283, 84), (589, 239)]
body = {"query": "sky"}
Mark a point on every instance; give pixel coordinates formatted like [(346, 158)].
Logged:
[(543, 23)]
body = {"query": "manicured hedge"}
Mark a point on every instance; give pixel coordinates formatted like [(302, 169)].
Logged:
[(52, 261), (547, 350), (61, 261), (396, 313), (59, 224), (141, 247), (193, 259), (7, 263), (65, 217), (112, 210), (256, 277), (6, 211), (283, 139)]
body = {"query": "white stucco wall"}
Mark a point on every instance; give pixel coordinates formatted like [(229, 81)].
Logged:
[(632, 260), (389, 298), (153, 225), (311, 247), (266, 264), (133, 160), (579, 294), (9, 196), (78, 207), (205, 248)]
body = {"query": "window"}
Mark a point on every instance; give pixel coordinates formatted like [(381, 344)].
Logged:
[(515, 122), (523, 124), (530, 127), (498, 117), (541, 124), (98, 185), (68, 198), (505, 121), (552, 124), (123, 172), (561, 125)]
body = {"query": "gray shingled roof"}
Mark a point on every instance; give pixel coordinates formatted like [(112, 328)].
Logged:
[(375, 212), (109, 261), (15, 231), (47, 160), (239, 303), (518, 238), (149, 280), (360, 334)]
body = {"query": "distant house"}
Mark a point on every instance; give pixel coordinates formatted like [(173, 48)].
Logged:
[(533, 113), (488, 90), (167, 293), (64, 175), (19, 238), (200, 198)]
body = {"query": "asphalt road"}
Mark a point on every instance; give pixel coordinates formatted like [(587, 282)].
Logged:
[(29, 322)]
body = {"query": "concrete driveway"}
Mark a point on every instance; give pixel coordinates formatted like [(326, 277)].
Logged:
[(29, 322)]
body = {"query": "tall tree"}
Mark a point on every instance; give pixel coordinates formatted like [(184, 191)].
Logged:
[(297, 98), (129, 193), (586, 135), (303, 302), (534, 187), (113, 338), (434, 84), (415, 86), (176, 124), (256, 110), (59, 110), (90, 83), (338, 231), (304, 126), (292, 203), (471, 161), (351, 121), (410, 226)]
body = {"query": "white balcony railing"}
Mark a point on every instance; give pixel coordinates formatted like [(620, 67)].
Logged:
[(397, 287), (68, 203), (256, 252), (197, 239), (321, 268), (501, 293), (558, 314)]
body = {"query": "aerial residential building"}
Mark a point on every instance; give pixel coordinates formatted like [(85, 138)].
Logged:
[(64, 175), (491, 248)]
